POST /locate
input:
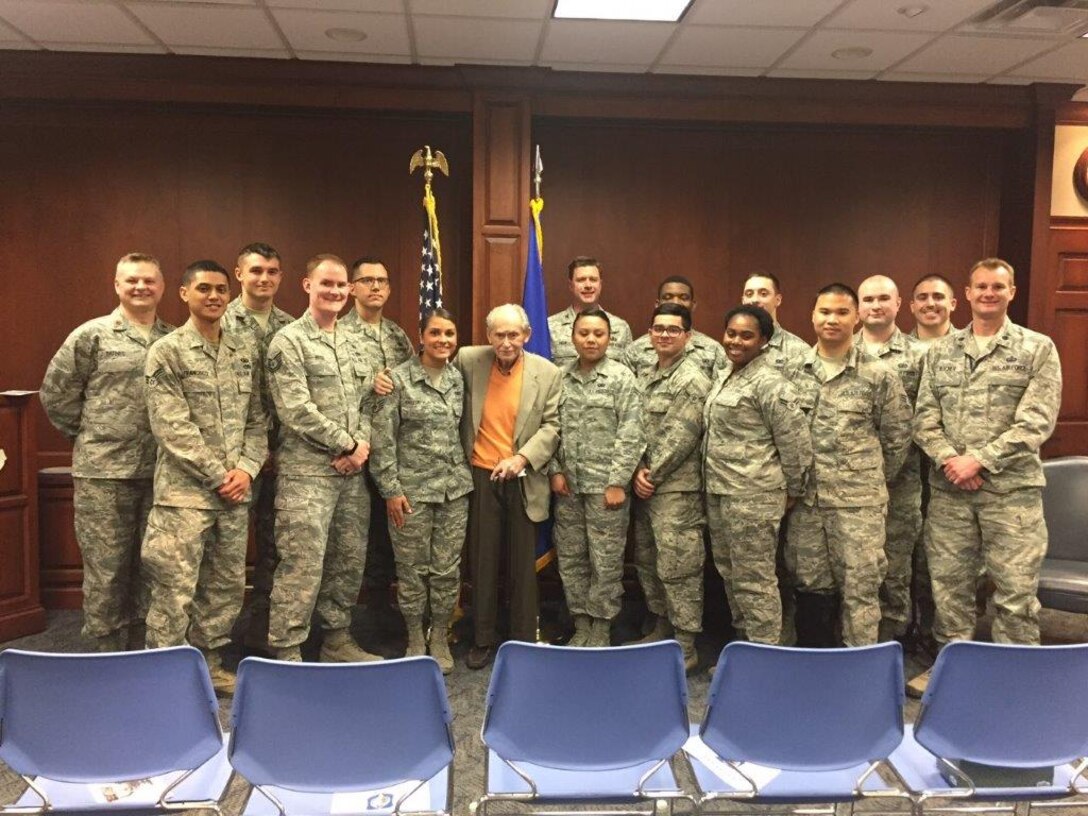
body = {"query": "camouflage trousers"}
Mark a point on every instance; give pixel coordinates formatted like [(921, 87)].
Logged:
[(1005, 534), (589, 541), (321, 524), (841, 549), (744, 541), (110, 518), (428, 554), (195, 562), (903, 536), (262, 514), (669, 556)]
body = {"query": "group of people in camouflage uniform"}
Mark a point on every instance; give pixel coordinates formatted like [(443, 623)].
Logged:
[(808, 466)]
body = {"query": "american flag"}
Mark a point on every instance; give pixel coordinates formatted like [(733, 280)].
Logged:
[(430, 276)]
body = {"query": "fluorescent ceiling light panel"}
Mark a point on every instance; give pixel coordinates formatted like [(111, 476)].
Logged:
[(666, 11)]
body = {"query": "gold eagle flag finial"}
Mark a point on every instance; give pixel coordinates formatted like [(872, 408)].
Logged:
[(429, 162)]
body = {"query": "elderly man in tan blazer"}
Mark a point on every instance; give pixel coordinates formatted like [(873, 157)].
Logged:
[(510, 429)]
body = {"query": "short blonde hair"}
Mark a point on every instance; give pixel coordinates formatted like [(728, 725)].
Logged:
[(317, 260), (993, 264)]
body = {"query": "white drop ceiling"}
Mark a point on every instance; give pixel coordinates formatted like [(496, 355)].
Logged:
[(834, 39)]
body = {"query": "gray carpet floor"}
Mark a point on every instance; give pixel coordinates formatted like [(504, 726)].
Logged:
[(382, 631)]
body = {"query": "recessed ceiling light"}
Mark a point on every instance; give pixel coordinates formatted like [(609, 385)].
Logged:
[(910, 12), (1084, 36), (345, 34), (668, 11), (852, 53)]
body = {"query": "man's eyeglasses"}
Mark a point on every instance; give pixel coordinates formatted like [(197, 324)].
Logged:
[(666, 331), (372, 283)]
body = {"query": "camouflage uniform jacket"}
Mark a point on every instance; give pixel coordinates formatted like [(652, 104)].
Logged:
[(998, 406), (318, 381), (600, 427), (905, 355), (860, 425), (206, 414), (417, 437), (93, 393), (757, 436), (561, 326), (382, 347), (704, 351), (785, 348), (237, 318), (672, 421)]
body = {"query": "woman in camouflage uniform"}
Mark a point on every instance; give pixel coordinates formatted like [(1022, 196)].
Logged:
[(419, 465), (600, 445), (756, 454)]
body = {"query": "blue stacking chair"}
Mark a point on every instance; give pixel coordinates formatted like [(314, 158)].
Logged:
[(800, 726), (126, 731), (343, 737), (1015, 714), (584, 726)]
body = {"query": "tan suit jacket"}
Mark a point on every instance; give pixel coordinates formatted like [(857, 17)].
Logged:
[(536, 430)]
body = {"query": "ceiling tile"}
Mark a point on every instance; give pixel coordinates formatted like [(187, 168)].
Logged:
[(106, 48), (964, 54), (940, 15), (815, 73), (599, 41), (387, 6), (252, 53), (82, 21), (707, 70), (790, 13), (1068, 61), (17, 45), (730, 47), (903, 76), (1010, 80), (209, 26), (305, 30), (518, 9), (340, 56), (888, 48), (472, 38)]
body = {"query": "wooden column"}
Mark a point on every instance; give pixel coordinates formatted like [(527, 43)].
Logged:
[(21, 612), (500, 202)]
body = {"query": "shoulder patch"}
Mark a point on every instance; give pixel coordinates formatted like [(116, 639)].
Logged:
[(155, 377), (274, 362)]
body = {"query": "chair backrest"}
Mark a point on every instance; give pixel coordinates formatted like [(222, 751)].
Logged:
[(105, 717), (339, 726), (805, 709), (1065, 506), (588, 709), (999, 704)]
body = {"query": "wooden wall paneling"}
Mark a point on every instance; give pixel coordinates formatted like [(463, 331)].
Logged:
[(61, 560), (21, 612), (500, 203), (812, 205), (1063, 291), (295, 84), (85, 184), (1039, 303), (1017, 215)]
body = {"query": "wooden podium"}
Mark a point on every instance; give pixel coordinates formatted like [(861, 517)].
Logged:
[(21, 611)]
